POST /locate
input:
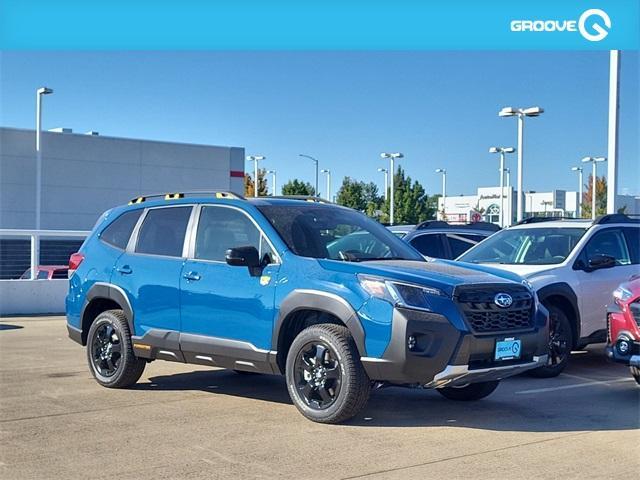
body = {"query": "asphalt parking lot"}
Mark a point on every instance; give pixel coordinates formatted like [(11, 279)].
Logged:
[(184, 421)]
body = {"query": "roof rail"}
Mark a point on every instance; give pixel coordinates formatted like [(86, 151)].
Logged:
[(195, 193), (492, 227), (529, 220), (617, 218), (306, 198)]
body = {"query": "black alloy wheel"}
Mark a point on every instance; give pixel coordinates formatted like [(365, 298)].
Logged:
[(317, 375), (106, 350)]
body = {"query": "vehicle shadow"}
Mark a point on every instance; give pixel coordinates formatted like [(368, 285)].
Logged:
[(6, 326), (519, 404)]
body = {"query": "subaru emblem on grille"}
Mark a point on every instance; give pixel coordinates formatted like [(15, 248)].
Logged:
[(503, 300)]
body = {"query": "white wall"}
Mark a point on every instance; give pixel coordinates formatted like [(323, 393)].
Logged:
[(27, 297)]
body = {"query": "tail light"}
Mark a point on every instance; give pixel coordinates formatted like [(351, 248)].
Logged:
[(74, 262)]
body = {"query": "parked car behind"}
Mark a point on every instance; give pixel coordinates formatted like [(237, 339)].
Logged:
[(316, 292), (623, 326), (574, 265), (47, 272), (438, 239)]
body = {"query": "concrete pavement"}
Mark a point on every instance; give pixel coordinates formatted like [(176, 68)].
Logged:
[(184, 421)]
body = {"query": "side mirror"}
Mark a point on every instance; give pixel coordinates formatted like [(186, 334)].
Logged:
[(600, 260), (245, 257)]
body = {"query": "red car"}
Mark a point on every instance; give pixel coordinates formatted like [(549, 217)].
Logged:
[(623, 326), (48, 272)]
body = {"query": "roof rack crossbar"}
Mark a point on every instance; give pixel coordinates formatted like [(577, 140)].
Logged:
[(492, 227), (193, 193)]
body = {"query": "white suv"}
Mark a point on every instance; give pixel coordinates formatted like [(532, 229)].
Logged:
[(573, 265)]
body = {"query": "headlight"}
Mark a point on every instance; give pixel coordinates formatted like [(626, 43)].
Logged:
[(399, 293), (621, 294)]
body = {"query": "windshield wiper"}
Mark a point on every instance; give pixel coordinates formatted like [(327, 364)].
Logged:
[(376, 259)]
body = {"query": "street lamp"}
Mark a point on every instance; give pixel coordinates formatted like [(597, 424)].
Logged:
[(579, 206), (328, 172), (386, 182), (520, 113), (594, 161), (314, 160), (392, 158), (273, 179), (444, 190), (39, 94), (255, 159), (502, 151)]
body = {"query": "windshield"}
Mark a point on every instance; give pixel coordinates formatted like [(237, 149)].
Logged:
[(526, 246), (323, 231)]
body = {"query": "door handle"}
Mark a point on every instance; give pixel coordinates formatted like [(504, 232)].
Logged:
[(124, 270), (191, 276)]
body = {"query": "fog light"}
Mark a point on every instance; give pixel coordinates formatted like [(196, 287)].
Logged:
[(623, 346), (411, 342)]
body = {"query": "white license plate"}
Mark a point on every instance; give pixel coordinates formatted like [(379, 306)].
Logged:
[(508, 349)]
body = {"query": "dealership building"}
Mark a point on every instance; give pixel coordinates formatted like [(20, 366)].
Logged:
[(84, 175)]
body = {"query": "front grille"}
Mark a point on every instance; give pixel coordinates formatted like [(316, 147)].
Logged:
[(635, 311), (481, 313)]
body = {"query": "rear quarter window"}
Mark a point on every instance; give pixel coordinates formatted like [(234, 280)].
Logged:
[(119, 231)]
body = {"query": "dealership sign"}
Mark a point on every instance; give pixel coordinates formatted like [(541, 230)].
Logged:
[(593, 24)]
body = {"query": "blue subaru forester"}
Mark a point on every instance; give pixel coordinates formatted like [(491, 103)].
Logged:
[(311, 290)]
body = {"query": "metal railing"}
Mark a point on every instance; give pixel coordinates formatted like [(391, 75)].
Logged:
[(57, 245)]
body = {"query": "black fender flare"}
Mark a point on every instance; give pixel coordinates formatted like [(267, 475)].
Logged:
[(111, 292), (306, 299), (564, 290)]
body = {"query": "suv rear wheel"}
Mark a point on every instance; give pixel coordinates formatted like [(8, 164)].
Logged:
[(560, 343), (110, 351), (326, 381), (473, 391)]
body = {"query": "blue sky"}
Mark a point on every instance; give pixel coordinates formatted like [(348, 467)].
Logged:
[(344, 108)]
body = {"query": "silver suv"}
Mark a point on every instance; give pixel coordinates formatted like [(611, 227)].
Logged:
[(573, 265)]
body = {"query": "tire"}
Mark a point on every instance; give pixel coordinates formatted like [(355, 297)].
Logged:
[(473, 391), (560, 344), (110, 351), (325, 378), (635, 371)]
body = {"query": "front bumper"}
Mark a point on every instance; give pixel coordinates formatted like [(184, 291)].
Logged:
[(444, 355)]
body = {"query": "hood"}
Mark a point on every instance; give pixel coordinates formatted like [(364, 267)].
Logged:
[(442, 274), (524, 271)]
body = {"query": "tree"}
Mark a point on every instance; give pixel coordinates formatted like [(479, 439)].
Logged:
[(360, 196), (411, 202), (601, 197), (262, 184), (298, 187)]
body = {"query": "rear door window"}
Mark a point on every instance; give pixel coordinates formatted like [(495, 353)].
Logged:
[(119, 231), (429, 244), (632, 235), (163, 230), (460, 243)]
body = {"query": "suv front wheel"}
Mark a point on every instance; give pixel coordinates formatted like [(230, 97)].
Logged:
[(326, 381), (110, 351), (560, 343)]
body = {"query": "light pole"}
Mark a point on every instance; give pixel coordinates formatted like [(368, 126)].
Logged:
[(444, 190), (579, 206), (328, 172), (520, 113), (502, 151), (545, 204), (255, 159), (273, 180), (314, 160), (386, 182), (392, 157), (39, 94), (594, 177)]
